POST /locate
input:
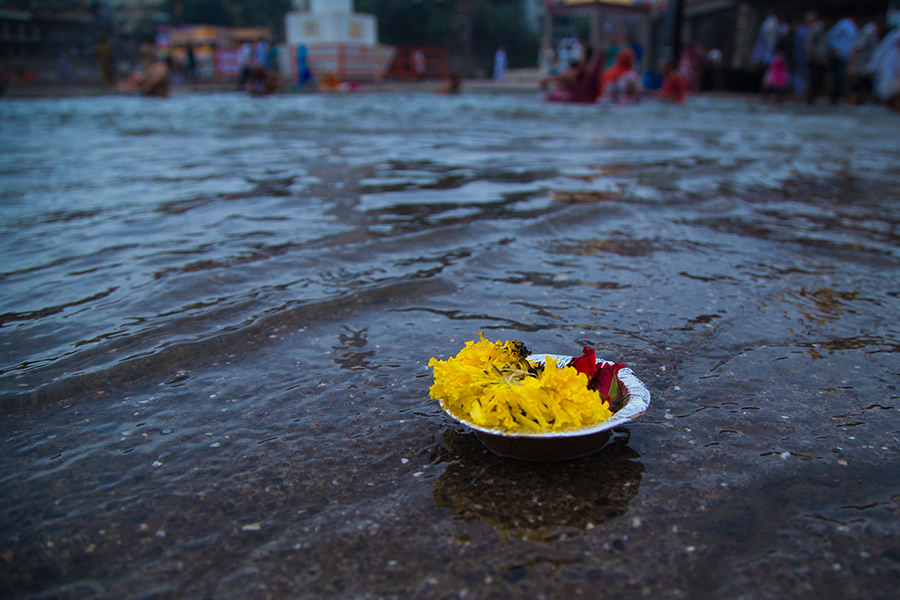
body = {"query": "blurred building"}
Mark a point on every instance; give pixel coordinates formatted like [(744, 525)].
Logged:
[(334, 40), (135, 18), (330, 21), (39, 37), (611, 23), (532, 11)]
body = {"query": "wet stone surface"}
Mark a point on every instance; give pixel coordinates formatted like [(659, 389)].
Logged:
[(217, 314)]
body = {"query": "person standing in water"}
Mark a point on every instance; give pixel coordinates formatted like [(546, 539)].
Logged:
[(885, 65), (451, 85), (500, 64), (841, 40), (245, 58), (190, 64), (418, 64), (816, 56), (156, 80), (303, 72), (105, 57), (620, 83), (674, 87), (861, 76), (800, 66)]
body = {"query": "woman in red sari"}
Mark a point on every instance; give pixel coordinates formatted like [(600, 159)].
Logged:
[(583, 86), (674, 87)]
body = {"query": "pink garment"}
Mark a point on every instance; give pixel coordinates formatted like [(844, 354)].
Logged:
[(690, 65), (777, 74), (558, 95)]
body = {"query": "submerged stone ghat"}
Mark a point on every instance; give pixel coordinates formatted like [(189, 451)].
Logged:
[(218, 311)]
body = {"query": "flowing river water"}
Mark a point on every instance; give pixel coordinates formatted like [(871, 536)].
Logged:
[(217, 313)]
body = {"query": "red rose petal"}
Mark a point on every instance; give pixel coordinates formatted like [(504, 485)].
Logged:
[(586, 363)]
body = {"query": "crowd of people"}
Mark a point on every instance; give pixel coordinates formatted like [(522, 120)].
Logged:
[(258, 68), (611, 76), (155, 70), (800, 57), (849, 59), (844, 59)]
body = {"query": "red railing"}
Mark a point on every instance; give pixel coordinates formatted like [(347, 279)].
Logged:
[(343, 62), (430, 64), (226, 64), (351, 62)]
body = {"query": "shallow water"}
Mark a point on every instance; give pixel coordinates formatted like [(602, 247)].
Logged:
[(217, 313)]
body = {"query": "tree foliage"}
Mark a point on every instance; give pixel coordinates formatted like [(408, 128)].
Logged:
[(407, 22), (495, 25), (437, 23), (235, 13)]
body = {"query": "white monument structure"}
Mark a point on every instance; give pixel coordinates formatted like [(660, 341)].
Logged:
[(330, 21), (336, 41)]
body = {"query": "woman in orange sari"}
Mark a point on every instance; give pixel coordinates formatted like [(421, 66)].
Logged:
[(624, 63), (620, 83)]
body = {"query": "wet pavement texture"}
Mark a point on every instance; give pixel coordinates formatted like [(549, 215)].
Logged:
[(217, 313)]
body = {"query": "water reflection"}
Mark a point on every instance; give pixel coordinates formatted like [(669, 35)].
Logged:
[(824, 304), (586, 196), (268, 285), (346, 354), (868, 343), (528, 501), (620, 244)]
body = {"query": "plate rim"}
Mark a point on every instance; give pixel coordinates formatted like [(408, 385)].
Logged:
[(637, 402)]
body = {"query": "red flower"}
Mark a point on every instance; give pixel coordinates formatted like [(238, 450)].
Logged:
[(586, 363), (604, 379)]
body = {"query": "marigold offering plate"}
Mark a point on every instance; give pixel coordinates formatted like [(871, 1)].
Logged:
[(569, 444)]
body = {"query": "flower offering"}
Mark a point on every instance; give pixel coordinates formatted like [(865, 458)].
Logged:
[(498, 386)]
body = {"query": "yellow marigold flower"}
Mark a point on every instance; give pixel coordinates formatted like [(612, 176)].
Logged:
[(493, 385)]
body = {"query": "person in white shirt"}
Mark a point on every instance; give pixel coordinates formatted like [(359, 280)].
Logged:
[(885, 65), (766, 39), (244, 55), (860, 72), (841, 39)]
